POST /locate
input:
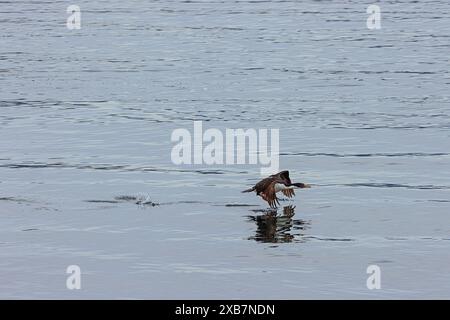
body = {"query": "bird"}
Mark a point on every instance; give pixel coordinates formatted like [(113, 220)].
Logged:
[(268, 188)]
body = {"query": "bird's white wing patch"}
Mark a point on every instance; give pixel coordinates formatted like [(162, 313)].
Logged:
[(279, 187)]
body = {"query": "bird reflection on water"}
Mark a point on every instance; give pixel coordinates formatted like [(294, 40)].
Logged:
[(274, 228)]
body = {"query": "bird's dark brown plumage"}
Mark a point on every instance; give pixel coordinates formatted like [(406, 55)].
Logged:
[(266, 188)]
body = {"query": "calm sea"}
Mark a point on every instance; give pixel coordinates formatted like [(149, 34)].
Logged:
[(86, 176)]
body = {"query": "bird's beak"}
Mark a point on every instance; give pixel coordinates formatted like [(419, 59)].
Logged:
[(306, 185)]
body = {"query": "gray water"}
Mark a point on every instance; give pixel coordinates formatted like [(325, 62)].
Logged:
[(86, 176)]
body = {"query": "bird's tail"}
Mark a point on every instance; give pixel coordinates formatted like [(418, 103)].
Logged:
[(249, 190)]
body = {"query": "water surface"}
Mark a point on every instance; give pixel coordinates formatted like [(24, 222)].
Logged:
[(86, 176)]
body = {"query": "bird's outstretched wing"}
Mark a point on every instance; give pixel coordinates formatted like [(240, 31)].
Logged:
[(285, 176), (282, 177), (270, 196), (263, 184), (288, 193)]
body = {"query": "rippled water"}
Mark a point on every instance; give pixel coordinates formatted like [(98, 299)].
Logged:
[(85, 170)]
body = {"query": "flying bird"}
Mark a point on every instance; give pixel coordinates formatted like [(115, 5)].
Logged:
[(268, 187)]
